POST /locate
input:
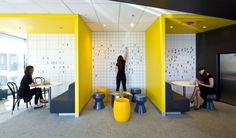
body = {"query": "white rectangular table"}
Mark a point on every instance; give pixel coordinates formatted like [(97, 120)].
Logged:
[(183, 84), (49, 87)]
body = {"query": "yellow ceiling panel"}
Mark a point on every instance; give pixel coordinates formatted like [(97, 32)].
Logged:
[(18, 24), (191, 23)]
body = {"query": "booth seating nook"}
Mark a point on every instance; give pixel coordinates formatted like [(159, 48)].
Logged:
[(175, 102), (64, 103)]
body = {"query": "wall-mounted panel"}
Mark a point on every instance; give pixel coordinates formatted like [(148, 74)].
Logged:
[(52, 56), (107, 46)]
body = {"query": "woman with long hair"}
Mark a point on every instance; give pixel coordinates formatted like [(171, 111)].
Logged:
[(26, 92), (121, 77), (203, 87)]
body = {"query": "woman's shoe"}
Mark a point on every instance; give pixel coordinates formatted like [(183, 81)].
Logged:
[(43, 101), (198, 108), (37, 106)]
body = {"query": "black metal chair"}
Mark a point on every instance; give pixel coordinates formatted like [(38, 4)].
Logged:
[(42, 80), (16, 99)]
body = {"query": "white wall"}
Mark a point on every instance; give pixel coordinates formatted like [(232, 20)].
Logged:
[(52, 56), (107, 46), (181, 58)]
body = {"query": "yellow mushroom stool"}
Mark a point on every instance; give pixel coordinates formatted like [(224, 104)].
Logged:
[(121, 109), (105, 91)]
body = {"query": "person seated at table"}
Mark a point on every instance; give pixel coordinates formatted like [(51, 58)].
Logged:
[(26, 92), (203, 87)]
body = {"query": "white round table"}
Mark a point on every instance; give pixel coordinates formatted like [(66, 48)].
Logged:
[(183, 84)]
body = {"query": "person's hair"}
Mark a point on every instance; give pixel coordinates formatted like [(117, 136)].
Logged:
[(205, 71), (119, 62), (27, 70), (201, 68)]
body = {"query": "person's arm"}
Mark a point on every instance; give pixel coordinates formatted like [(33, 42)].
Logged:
[(126, 54), (34, 84), (210, 85)]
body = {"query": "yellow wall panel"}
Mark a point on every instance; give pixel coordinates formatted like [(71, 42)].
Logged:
[(155, 63), (76, 33), (85, 64)]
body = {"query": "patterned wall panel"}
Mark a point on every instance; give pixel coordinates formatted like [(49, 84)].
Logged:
[(52, 55), (180, 57), (107, 46)]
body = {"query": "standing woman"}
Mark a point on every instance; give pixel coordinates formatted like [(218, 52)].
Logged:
[(121, 77), (203, 87), (26, 92)]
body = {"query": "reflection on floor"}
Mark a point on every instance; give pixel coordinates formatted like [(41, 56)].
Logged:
[(194, 124), (6, 107)]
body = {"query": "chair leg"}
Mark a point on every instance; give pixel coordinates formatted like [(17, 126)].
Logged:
[(18, 104), (27, 106), (45, 95), (30, 103), (14, 104)]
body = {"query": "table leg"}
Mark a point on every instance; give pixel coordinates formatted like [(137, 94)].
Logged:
[(184, 91), (49, 95)]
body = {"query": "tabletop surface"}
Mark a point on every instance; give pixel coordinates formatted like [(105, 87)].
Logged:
[(183, 83), (51, 84)]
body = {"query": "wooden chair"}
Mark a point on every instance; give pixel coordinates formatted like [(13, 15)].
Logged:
[(16, 99), (42, 80)]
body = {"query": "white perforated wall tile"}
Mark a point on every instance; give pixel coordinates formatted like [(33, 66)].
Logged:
[(180, 58), (107, 46), (52, 56)]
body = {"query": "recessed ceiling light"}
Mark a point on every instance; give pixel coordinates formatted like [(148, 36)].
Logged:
[(104, 25), (132, 15), (20, 28), (204, 27), (131, 25), (60, 27), (171, 27)]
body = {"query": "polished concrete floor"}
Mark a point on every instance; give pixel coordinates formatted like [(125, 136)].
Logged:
[(100, 124)]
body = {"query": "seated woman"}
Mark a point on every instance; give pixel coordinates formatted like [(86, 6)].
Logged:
[(202, 88), (26, 92)]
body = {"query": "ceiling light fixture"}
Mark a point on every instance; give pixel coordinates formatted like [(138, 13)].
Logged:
[(132, 15), (131, 25), (204, 27), (104, 25), (171, 27)]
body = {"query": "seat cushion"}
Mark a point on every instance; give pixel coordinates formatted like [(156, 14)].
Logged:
[(136, 91), (98, 95), (211, 97), (140, 97)]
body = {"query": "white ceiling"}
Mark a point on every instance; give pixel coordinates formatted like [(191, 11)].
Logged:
[(99, 15)]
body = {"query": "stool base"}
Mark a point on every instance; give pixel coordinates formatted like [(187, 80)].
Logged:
[(209, 105), (140, 109), (98, 105)]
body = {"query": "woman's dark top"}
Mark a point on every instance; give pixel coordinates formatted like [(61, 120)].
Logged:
[(121, 72), (24, 90), (206, 90)]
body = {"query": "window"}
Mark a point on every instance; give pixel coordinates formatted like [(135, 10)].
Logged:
[(12, 53)]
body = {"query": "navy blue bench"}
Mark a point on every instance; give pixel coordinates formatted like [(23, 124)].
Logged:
[(64, 103), (175, 102)]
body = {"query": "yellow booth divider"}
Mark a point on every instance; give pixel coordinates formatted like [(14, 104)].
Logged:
[(155, 63)]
